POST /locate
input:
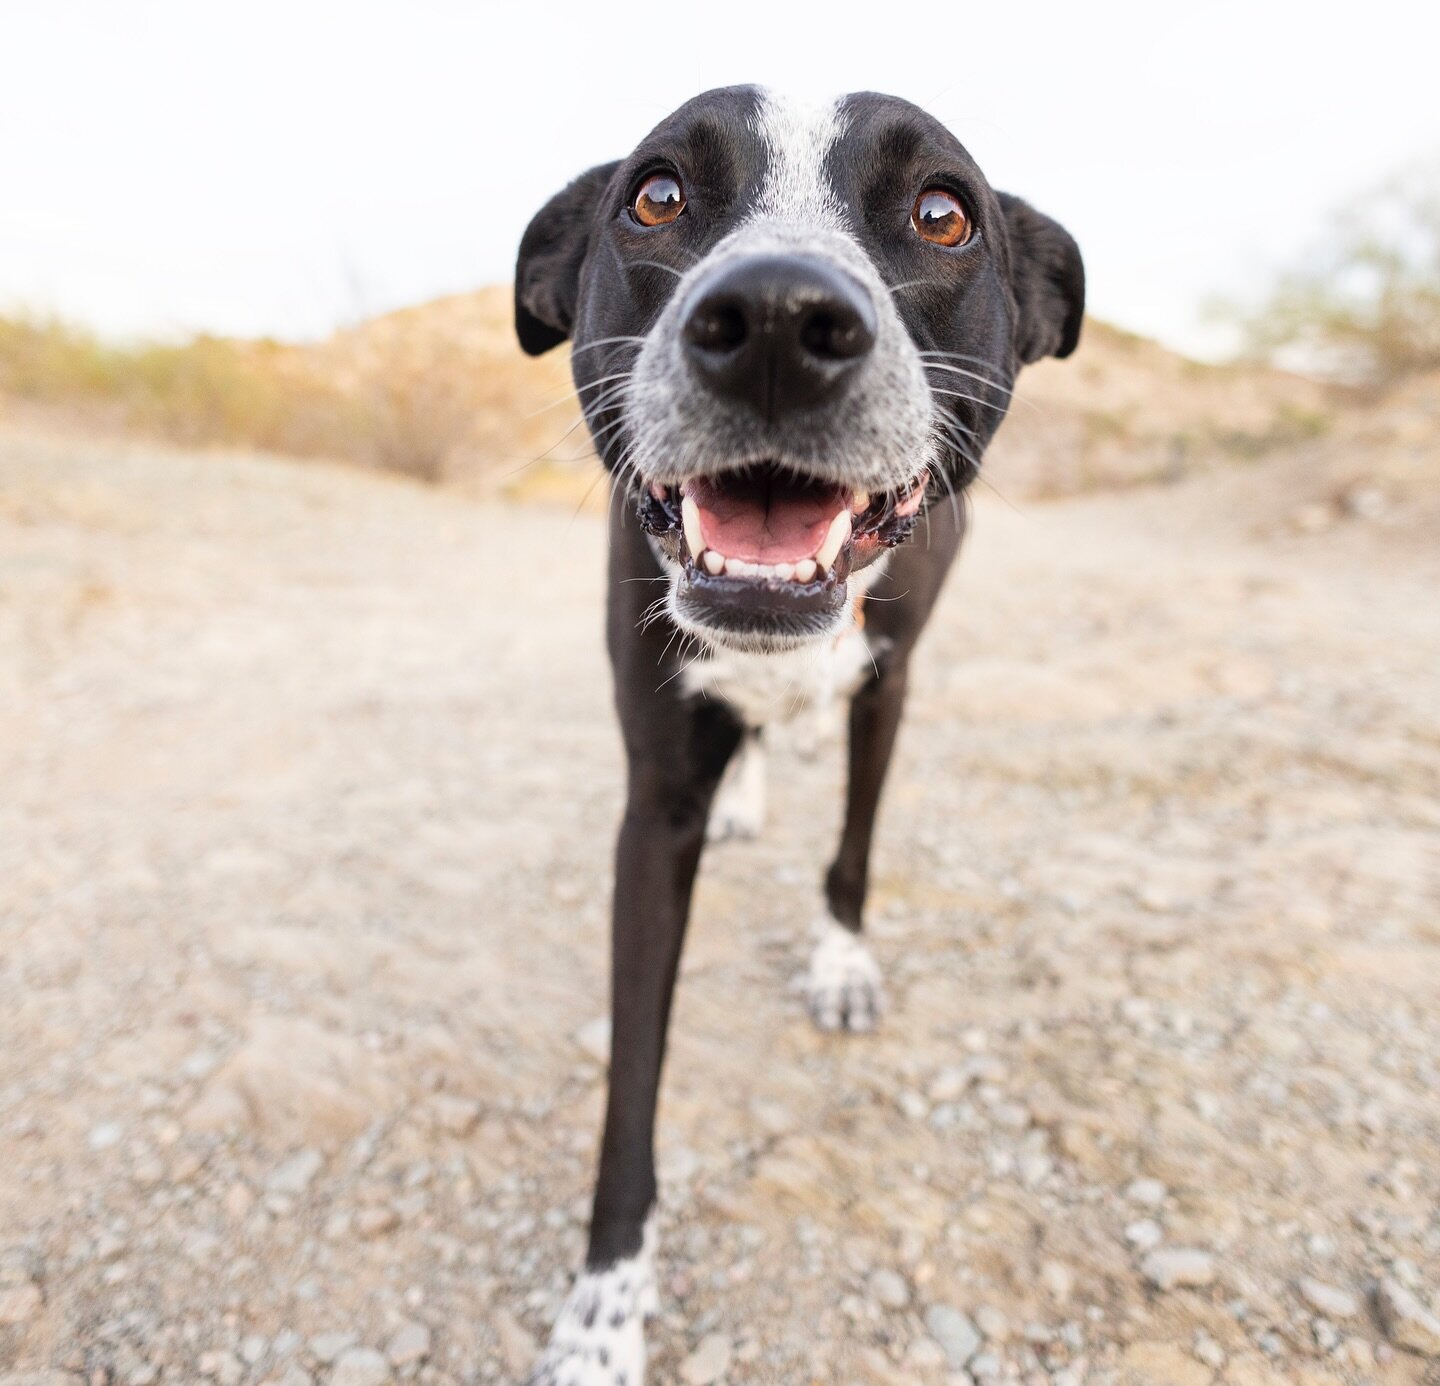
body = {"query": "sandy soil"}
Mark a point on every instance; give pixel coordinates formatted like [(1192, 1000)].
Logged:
[(307, 785)]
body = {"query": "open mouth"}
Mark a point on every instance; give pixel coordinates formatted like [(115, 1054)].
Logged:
[(765, 539)]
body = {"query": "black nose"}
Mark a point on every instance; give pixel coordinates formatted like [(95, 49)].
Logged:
[(779, 332)]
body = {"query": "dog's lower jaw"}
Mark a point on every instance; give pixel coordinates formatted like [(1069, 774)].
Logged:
[(599, 1336)]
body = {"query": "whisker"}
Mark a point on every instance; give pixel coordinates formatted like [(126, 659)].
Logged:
[(655, 264), (972, 399), (604, 341)]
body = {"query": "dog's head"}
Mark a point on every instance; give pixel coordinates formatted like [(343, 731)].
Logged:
[(793, 327)]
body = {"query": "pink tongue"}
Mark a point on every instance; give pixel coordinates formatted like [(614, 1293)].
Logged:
[(776, 529)]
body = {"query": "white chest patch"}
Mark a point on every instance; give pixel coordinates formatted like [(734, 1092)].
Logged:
[(779, 687)]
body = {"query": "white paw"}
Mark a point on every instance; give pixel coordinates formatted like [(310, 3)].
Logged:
[(599, 1337), (734, 822), (842, 987), (739, 808)]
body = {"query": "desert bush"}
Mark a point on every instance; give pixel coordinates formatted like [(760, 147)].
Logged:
[(254, 394), (1365, 308)]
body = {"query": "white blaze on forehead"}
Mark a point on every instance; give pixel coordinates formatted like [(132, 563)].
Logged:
[(798, 137)]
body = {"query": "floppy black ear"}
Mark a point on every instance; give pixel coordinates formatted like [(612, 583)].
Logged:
[(547, 274), (1048, 279)]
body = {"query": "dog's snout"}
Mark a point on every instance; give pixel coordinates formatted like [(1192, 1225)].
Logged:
[(779, 332)]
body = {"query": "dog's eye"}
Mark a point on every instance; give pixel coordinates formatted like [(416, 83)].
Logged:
[(940, 217), (660, 199)]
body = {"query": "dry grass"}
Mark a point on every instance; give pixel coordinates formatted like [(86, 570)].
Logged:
[(438, 393)]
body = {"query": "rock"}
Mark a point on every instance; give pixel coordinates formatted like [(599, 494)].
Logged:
[(992, 1323), (20, 1303), (409, 1343), (1313, 518), (1366, 502), (959, 1339), (293, 1375), (1148, 1193), (517, 1347), (1325, 1299), (359, 1366), (985, 1365), (223, 1367), (1178, 1266), (1208, 1351), (1407, 1322), (925, 1356), (238, 1202), (326, 1347), (106, 1135), (708, 1362), (1145, 1234), (1058, 1279), (373, 1222), (889, 1290), (41, 1378), (293, 1176), (457, 1115), (948, 1085)]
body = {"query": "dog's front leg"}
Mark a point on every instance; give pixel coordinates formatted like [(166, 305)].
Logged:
[(843, 985), (599, 1336)]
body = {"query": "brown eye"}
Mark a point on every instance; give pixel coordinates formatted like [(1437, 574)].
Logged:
[(940, 217), (660, 199)]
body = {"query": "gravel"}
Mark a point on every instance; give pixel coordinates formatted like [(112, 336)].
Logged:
[(302, 911)]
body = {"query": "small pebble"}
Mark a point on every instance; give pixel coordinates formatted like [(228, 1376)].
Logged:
[(889, 1289), (959, 1339), (1329, 1300), (709, 1361), (1177, 1267), (360, 1367), (1406, 1320)]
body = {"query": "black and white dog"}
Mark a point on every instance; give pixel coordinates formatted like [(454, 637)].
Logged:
[(795, 331)]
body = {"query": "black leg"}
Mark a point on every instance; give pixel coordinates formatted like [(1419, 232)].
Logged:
[(874, 723), (658, 853)]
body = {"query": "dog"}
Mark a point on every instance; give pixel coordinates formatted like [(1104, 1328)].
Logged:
[(794, 331)]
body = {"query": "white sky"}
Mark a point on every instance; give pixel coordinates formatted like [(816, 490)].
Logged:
[(284, 167)]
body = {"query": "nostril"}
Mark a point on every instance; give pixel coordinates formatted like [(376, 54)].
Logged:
[(836, 334), (717, 326)]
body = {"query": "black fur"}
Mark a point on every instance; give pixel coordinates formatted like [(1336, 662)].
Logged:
[(587, 271)]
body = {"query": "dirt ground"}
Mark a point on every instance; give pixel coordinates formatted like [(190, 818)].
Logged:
[(307, 786)]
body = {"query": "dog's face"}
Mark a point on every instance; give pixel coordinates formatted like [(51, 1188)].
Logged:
[(793, 327)]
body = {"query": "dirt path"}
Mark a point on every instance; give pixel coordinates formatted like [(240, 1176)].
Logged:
[(307, 786)]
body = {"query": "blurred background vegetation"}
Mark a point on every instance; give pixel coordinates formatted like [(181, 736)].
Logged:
[(1365, 308), (441, 393)]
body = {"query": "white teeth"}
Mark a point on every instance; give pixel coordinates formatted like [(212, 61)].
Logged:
[(716, 563), (835, 538), (861, 503), (690, 517)]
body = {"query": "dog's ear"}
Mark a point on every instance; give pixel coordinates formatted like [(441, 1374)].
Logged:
[(552, 250), (1047, 277)]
